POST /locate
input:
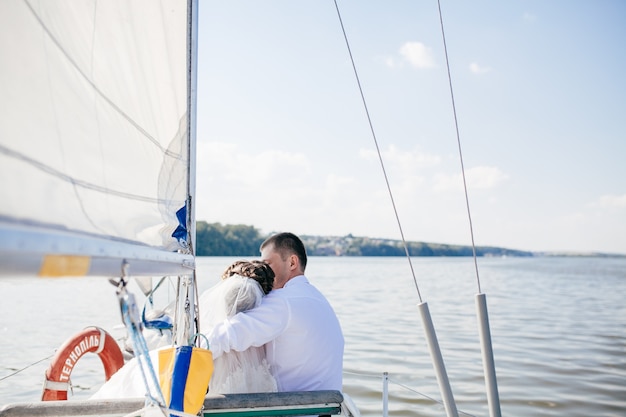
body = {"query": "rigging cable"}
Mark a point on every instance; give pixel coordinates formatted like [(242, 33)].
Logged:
[(429, 329), (380, 158), (458, 141), (24, 368), (134, 326), (489, 369)]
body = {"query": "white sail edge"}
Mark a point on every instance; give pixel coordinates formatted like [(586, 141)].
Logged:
[(35, 251)]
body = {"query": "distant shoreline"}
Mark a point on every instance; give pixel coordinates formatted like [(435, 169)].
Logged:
[(215, 239)]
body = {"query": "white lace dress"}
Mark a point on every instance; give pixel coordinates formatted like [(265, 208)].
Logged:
[(235, 372)]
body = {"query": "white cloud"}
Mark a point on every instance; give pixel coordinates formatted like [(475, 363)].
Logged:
[(443, 182), (599, 226), (477, 69), (610, 201), (338, 183), (407, 161), (485, 177), (418, 55), (230, 163), (478, 178)]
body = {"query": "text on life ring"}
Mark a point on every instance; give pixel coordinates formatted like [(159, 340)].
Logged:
[(83, 347), (91, 339)]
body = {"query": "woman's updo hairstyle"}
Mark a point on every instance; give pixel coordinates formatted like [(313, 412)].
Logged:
[(257, 270)]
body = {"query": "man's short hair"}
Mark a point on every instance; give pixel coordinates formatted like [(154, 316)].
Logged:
[(286, 244)]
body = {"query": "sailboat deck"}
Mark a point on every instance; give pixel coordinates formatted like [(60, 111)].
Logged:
[(227, 405)]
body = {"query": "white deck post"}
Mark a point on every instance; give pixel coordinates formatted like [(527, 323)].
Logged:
[(435, 354), (489, 367)]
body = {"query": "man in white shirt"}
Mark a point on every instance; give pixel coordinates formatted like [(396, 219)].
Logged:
[(303, 338)]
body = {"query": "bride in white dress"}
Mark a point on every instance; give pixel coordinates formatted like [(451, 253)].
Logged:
[(243, 285)]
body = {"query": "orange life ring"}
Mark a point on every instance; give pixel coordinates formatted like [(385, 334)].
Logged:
[(91, 339)]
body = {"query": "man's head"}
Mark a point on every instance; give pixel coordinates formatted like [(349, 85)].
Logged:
[(286, 255)]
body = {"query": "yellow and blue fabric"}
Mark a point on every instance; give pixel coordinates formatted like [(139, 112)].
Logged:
[(184, 375)]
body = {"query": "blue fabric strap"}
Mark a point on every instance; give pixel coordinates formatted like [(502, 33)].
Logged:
[(179, 377)]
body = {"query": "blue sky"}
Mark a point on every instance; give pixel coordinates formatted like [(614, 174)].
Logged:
[(540, 91)]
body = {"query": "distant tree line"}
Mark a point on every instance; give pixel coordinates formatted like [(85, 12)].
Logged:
[(215, 239)]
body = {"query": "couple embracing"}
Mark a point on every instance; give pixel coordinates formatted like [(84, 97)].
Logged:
[(287, 340)]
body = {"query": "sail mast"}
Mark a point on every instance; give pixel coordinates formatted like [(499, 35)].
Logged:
[(186, 316), (192, 87)]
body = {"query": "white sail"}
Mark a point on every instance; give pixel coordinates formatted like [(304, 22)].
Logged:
[(94, 136)]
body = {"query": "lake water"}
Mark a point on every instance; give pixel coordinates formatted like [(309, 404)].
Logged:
[(558, 327)]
